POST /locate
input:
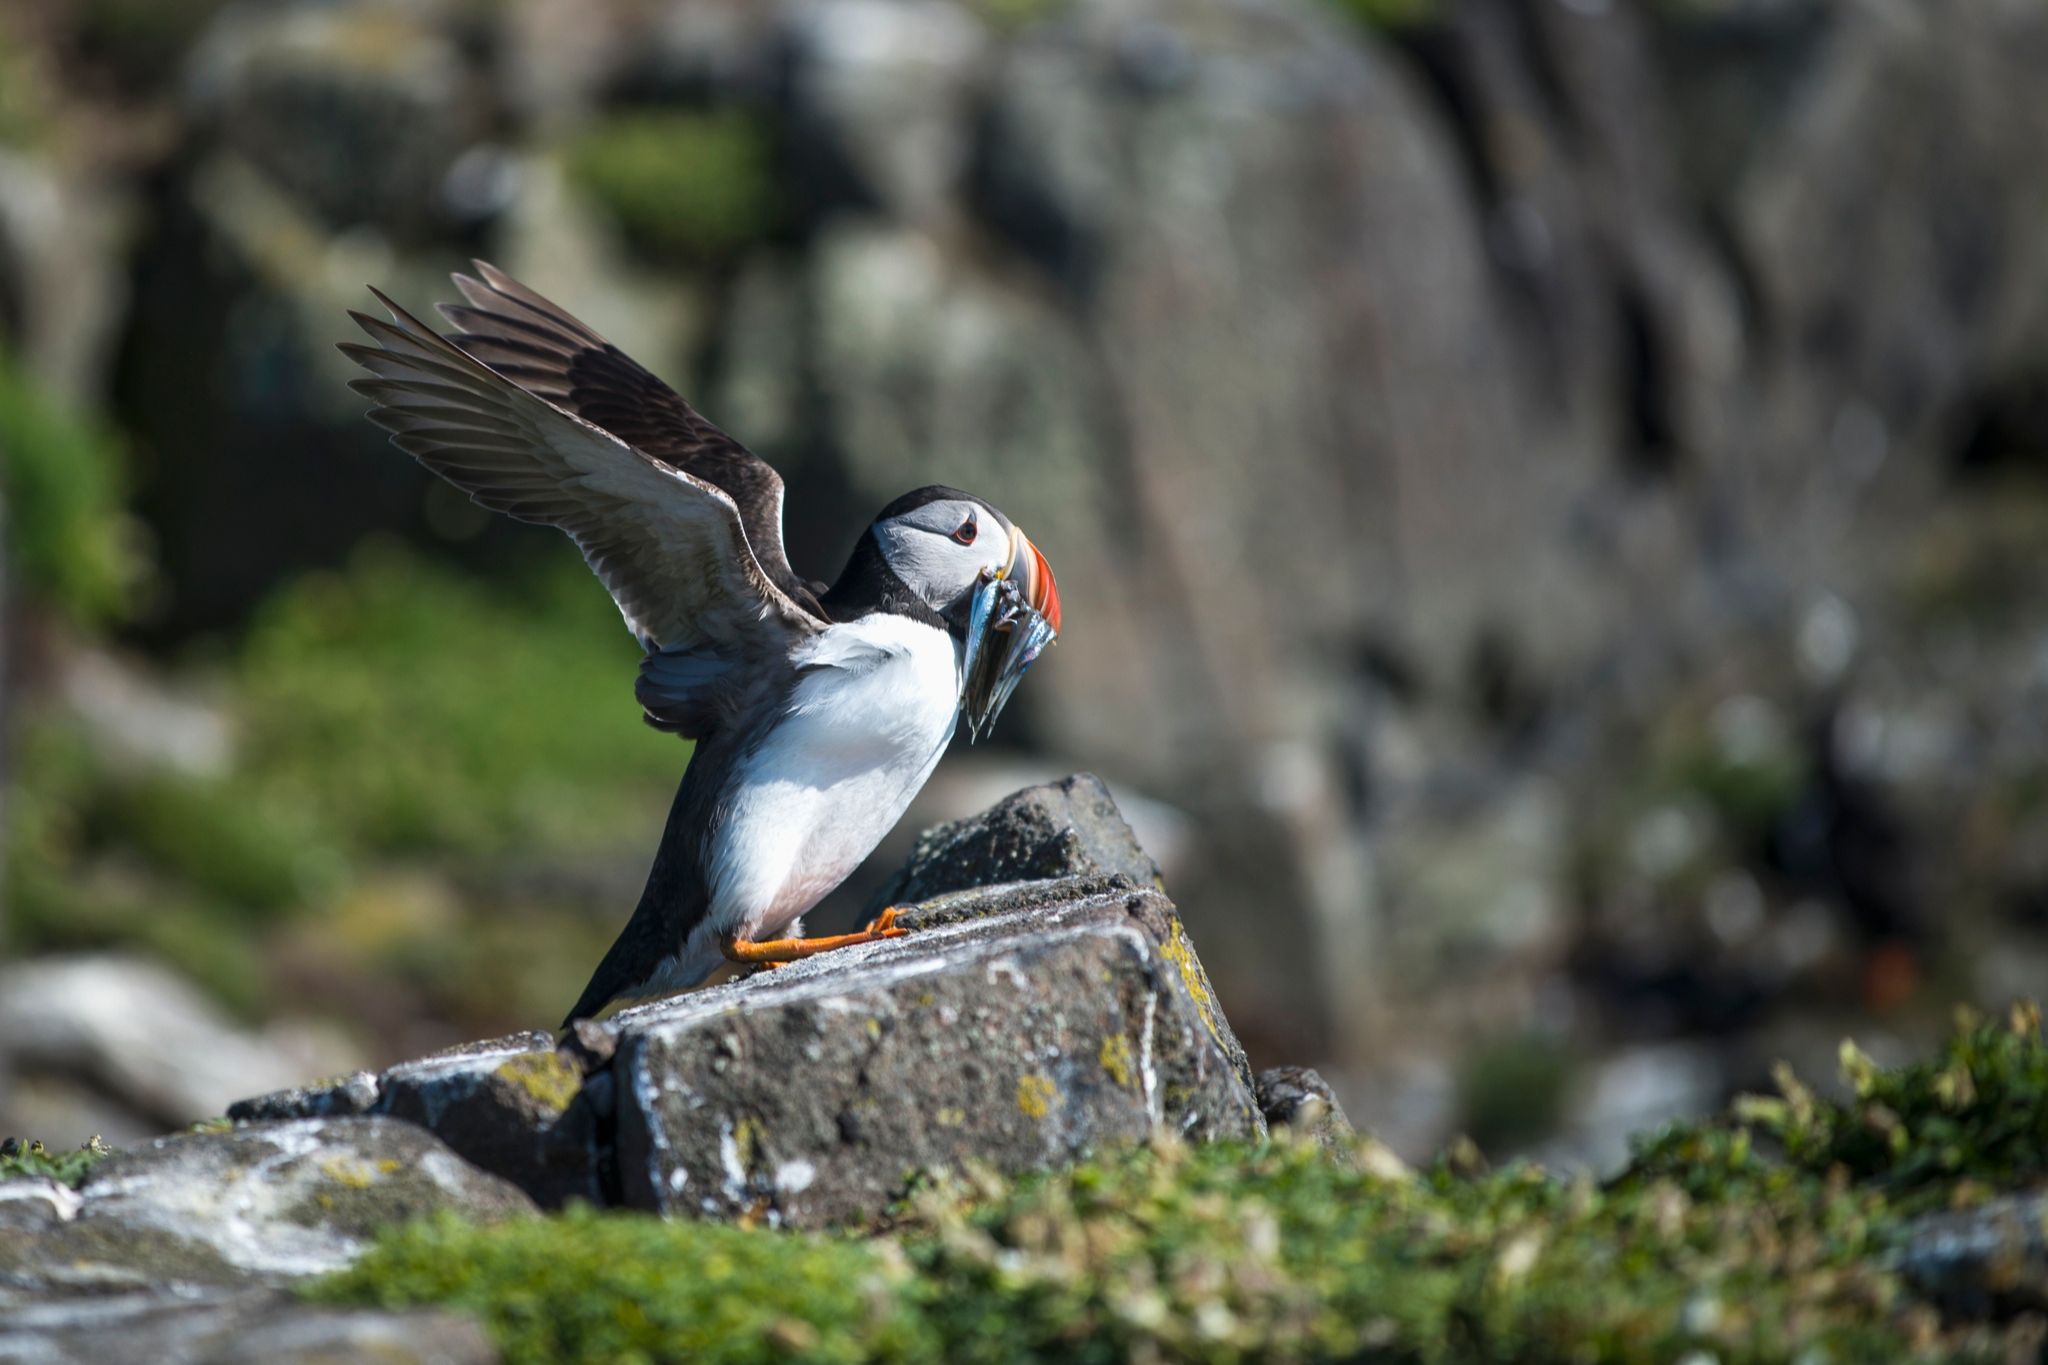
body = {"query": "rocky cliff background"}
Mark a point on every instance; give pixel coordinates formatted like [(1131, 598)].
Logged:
[(1551, 494)]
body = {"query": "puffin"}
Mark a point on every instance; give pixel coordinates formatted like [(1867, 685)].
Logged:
[(817, 711)]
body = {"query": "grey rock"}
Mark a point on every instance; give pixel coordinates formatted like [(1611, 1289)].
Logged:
[(1068, 828), (1985, 1262), (230, 1327), (357, 111), (1047, 1003), (885, 86), (355, 1093), (60, 253), (1017, 1039), (33, 1205), (513, 1106), (511, 1044), (332, 1337), (134, 1030), (1299, 1099), (517, 1111), (257, 1205)]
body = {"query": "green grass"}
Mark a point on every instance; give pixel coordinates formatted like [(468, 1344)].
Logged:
[(407, 708), (1761, 1237), (683, 186)]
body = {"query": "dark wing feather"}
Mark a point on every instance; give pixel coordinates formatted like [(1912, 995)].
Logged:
[(547, 352), (688, 692), (669, 546)]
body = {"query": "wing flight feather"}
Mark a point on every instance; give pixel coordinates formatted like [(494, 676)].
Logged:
[(544, 350), (671, 546)]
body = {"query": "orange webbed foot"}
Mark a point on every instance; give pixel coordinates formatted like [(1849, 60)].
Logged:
[(776, 951)]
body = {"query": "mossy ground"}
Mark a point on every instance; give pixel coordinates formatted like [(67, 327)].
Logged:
[(1765, 1236)]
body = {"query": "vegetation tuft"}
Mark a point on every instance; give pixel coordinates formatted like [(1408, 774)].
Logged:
[(1766, 1236), (19, 1159)]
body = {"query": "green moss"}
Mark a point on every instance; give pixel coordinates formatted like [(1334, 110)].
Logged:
[(592, 1287), (70, 544), (19, 1159), (1765, 1236), (1977, 1115), (683, 186)]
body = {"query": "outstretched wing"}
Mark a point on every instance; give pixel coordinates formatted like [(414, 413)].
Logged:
[(671, 547), (547, 352)]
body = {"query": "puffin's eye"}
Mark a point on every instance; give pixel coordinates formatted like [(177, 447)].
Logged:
[(968, 530)]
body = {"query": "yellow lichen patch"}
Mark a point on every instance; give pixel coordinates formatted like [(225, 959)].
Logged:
[(1036, 1095), (548, 1078), (348, 1172), (1181, 954), (746, 1138), (1116, 1059), (391, 1165), (950, 1117)]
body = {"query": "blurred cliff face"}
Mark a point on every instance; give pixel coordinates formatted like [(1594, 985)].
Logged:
[(1548, 490)]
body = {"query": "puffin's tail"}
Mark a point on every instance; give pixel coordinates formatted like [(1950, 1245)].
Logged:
[(665, 946), (641, 964)]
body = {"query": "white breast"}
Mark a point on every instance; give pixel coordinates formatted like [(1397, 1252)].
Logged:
[(868, 721)]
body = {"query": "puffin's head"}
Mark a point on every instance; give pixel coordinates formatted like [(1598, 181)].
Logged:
[(944, 544), (987, 582)]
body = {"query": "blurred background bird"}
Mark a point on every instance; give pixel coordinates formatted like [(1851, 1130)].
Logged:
[(1555, 492)]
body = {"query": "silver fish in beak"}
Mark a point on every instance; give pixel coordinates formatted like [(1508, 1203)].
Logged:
[(1015, 614)]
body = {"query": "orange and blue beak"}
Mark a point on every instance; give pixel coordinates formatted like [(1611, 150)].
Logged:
[(1013, 616), (1033, 576)]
